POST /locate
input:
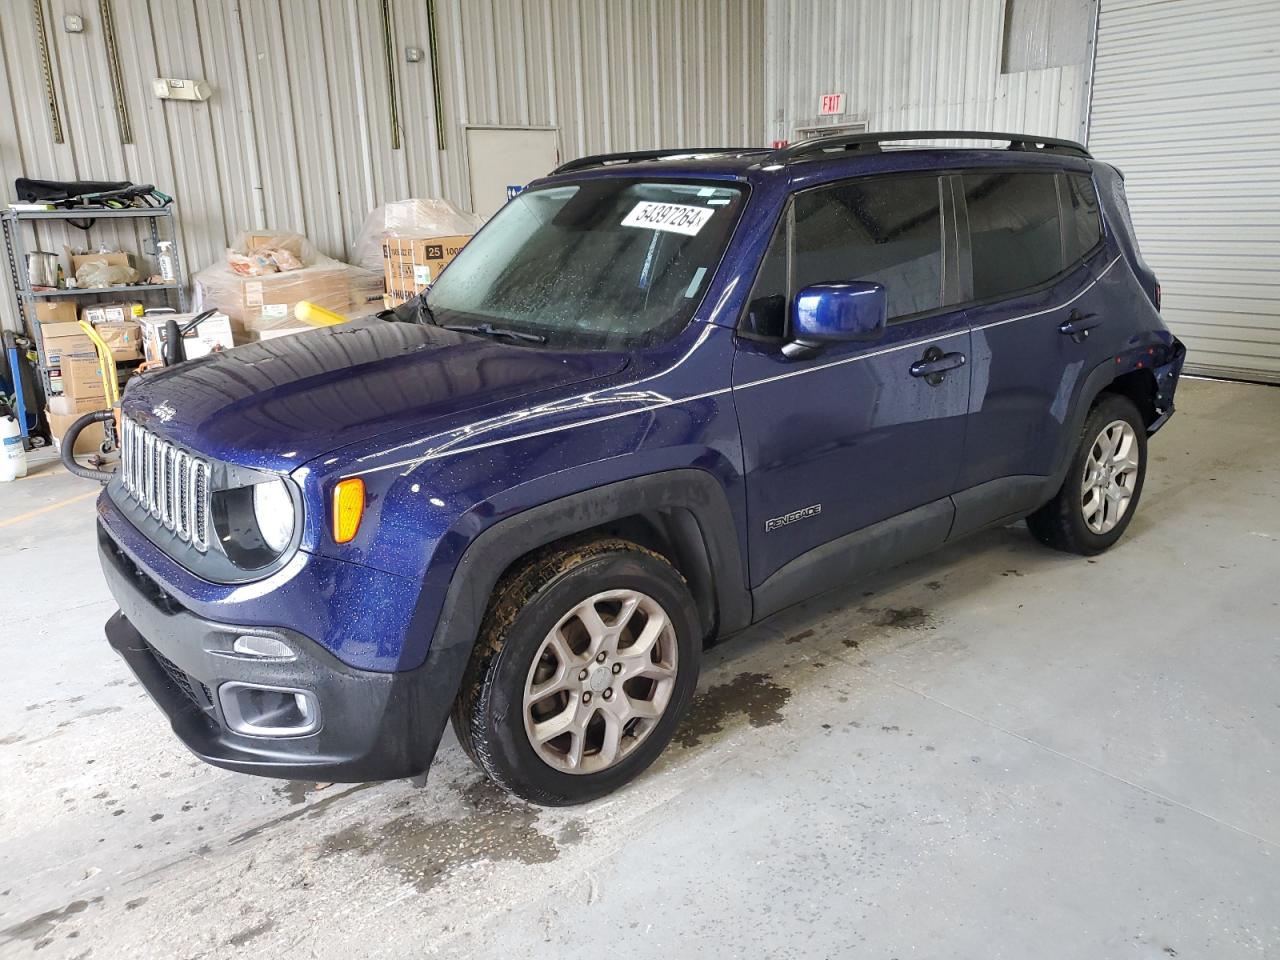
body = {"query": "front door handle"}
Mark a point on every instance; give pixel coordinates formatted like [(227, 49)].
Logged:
[(1078, 325), (933, 366)]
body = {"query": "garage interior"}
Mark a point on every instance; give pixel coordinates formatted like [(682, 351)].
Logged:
[(994, 751)]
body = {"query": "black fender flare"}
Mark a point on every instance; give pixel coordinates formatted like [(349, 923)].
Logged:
[(492, 551)]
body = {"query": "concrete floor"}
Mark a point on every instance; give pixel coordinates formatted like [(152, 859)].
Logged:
[(996, 752)]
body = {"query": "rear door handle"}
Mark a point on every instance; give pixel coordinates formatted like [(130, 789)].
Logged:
[(933, 366), (1078, 325)]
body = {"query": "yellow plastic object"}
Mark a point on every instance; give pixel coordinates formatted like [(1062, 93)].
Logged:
[(106, 364), (348, 509), (315, 315)]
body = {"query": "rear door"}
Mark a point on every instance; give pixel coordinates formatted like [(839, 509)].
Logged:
[(846, 437), (1034, 251)]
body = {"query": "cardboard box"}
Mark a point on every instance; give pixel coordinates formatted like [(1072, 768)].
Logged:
[(65, 406), (124, 340), (82, 378), (90, 439), (411, 264), (114, 311), (56, 311), (63, 339), (116, 259), (214, 333)]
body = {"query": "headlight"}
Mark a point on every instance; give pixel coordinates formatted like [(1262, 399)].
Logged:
[(273, 509)]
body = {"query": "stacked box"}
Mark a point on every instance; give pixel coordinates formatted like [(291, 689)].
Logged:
[(411, 264)]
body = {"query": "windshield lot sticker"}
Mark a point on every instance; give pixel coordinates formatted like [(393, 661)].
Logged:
[(671, 217)]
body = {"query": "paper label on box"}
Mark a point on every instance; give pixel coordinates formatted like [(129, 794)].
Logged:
[(253, 293), (421, 274), (275, 311), (670, 217)]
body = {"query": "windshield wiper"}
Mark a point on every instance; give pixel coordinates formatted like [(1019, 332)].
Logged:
[(489, 330)]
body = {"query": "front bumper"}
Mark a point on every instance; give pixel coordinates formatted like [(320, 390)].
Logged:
[(372, 725)]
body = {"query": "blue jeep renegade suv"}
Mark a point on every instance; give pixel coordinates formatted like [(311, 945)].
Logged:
[(657, 398)]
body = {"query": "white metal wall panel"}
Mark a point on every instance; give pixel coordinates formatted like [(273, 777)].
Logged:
[(910, 64), (297, 134), (1185, 103)]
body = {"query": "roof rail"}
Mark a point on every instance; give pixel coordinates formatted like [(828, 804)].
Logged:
[(638, 156), (815, 147)]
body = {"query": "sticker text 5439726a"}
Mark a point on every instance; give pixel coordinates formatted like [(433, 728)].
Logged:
[(672, 217)]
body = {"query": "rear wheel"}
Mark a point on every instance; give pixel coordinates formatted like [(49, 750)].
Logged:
[(587, 659), (1103, 484)]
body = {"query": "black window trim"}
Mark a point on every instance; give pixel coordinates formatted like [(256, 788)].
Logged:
[(965, 238), (950, 240)]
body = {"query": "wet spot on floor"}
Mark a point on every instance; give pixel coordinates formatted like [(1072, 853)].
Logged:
[(1011, 573), (11, 739), (135, 903), (53, 703), (425, 851), (903, 618), (852, 642), (251, 933), (42, 924), (573, 832), (157, 816), (754, 695), (296, 790), (934, 584), (99, 712), (802, 635), (311, 811)]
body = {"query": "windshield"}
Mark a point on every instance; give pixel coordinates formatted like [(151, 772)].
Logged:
[(609, 263)]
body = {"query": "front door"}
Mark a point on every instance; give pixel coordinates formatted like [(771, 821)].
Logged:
[(857, 433)]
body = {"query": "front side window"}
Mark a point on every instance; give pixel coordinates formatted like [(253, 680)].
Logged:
[(608, 263), (1014, 232), (887, 230)]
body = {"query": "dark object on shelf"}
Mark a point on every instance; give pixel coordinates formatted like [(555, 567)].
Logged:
[(57, 191)]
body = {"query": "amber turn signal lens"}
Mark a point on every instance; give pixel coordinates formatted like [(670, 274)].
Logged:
[(348, 508)]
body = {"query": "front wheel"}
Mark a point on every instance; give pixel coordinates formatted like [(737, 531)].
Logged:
[(587, 659), (1103, 484)]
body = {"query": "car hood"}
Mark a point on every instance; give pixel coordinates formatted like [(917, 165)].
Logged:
[(278, 403)]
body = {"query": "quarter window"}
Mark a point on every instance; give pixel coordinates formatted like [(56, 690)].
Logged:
[(885, 230), (1080, 213)]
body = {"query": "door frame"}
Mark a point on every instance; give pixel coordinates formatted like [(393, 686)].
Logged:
[(466, 147)]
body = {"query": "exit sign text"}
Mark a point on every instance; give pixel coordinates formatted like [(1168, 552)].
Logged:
[(831, 103)]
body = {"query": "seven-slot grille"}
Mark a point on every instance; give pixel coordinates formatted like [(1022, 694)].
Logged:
[(170, 483)]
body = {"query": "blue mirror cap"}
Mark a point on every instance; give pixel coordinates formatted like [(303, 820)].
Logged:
[(848, 310)]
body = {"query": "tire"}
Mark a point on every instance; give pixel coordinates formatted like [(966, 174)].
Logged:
[(1070, 521), (502, 711)]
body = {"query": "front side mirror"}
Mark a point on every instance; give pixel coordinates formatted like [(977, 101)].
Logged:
[(833, 312)]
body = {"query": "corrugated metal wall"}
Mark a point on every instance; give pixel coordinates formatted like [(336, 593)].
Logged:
[(297, 134), (1185, 103), (912, 65)]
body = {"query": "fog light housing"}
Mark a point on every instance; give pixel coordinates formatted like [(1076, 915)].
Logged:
[(267, 648), (260, 711)]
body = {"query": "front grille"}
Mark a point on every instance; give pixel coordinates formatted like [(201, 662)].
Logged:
[(198, 693), (171, 484)]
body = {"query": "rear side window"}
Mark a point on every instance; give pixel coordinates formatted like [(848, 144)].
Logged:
[(887, 230), (1014, 230), (1080, 215)]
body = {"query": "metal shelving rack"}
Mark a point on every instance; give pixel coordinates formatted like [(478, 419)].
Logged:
[(12, 221)]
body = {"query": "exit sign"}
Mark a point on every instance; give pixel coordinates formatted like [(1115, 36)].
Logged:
[(831, 103)]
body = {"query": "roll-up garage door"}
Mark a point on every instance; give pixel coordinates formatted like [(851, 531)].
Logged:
[(1186, 102)]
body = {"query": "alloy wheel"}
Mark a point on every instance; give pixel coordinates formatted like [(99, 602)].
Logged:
[(600, 682), (1110, 475)]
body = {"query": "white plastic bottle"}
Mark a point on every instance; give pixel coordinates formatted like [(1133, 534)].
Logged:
[(164, 253), (13, 455)]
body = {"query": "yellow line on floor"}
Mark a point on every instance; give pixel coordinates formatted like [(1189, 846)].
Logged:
[(30, 514)]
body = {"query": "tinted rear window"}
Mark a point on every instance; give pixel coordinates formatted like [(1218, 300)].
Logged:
[(1014, 230)]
